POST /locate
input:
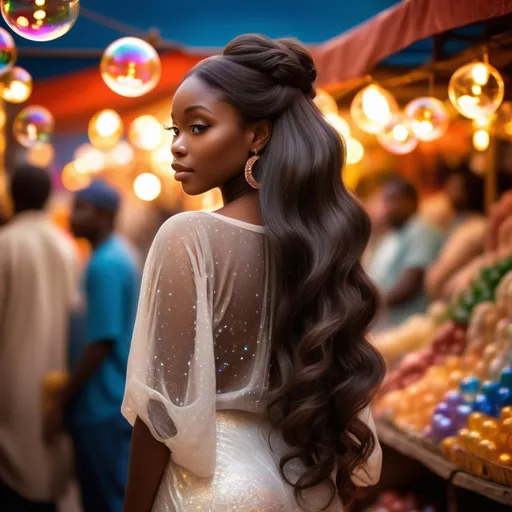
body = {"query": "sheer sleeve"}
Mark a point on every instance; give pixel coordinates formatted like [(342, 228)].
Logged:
[(369, 473), (171, 374)]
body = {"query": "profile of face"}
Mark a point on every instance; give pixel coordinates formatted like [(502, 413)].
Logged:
[(211, 142), (398, 207), (86, 220)]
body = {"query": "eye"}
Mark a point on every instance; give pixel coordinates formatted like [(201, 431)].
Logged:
[(197, 129), (175, 132)]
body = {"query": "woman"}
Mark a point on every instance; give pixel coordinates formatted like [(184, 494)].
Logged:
[(250, 374)]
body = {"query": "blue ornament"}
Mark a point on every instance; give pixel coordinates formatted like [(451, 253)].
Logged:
[(504, 397), (469, 387), (490, 389), (506, 378), (482, 404)]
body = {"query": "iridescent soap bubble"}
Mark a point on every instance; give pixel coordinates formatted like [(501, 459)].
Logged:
[(397, 136), (17, 85), (40, 20), (428, 118), (130, 67), (8, 52), (33, 125)]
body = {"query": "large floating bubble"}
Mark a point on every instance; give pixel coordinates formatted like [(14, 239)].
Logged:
[(17, 85), (33, 125), (8, 52), (130, 67), (40, 20)]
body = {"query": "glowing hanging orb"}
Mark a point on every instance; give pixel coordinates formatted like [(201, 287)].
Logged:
[(130, 67), (397, 137), (161, 159), (40, 20), (8, 52), (89, 159), (17, 85), (325, 102), (120, 156), (147, 186), (339, 124), (33, 125), (373, 108), (476, 90), (105, 129), (41, 155), (355, 151), (146, 133), (481, 140), (428, 118), (74, 180)]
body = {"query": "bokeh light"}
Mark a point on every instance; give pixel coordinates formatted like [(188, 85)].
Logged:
[(161, 159), (147, 186), (40, 20), (121, 155), (41, 155), (397, 136), (481, 139), (130, 67), (8, 52), (373, 108), (325, 102), (476, 90), (146, 133), (17, 85), (355, 151), (428, 118), (89, 159), (34, 124), (339, 124), (74, 180), (105, 129)]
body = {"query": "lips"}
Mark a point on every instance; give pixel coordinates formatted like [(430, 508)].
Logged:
[(180, 168)]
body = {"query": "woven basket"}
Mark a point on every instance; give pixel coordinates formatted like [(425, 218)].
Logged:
[(482, 468)]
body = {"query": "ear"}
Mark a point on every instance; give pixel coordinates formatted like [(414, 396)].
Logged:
[(260, 133)]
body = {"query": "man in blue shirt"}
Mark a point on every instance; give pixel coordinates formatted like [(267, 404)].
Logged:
[(403, 255), (95, 392)]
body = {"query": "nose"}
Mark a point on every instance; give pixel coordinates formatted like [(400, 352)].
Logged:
[(178, 148)]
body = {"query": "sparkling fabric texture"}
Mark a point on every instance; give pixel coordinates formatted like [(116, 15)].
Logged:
[(199, 367)]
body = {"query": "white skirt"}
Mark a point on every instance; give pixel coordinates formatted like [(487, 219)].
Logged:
[(246, 478)]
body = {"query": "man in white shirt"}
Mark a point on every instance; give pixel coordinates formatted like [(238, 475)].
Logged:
[(38, 284)]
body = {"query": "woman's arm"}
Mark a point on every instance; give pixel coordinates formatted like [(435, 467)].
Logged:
[(148, 462)]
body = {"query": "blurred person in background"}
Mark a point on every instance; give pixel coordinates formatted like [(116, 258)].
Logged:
[(466, 233), (94, 395), (38, 287), (403, 254)]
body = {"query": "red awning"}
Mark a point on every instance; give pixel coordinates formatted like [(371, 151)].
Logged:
[(354, 53)]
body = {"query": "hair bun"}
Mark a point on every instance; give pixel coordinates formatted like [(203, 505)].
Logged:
[(286, 61)]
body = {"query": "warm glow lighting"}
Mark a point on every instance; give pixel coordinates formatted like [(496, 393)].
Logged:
[(146, 133), (476, 90), (161, 159), (108, 123), (72, 179), (122, 154), (339, 124), (147, 186), (355, 151), (480, 74), (375, 105), (22, 21), (400, 132), (481, 140), (325, 102), (40, 15), (40, 3), (41, 155), (89, 159)]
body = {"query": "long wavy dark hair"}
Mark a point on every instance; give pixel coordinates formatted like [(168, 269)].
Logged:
[(324, 371)]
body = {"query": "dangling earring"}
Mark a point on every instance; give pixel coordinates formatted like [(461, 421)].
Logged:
[(248, 171)]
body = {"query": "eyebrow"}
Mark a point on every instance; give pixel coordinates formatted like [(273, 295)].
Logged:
[(191, 108)]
